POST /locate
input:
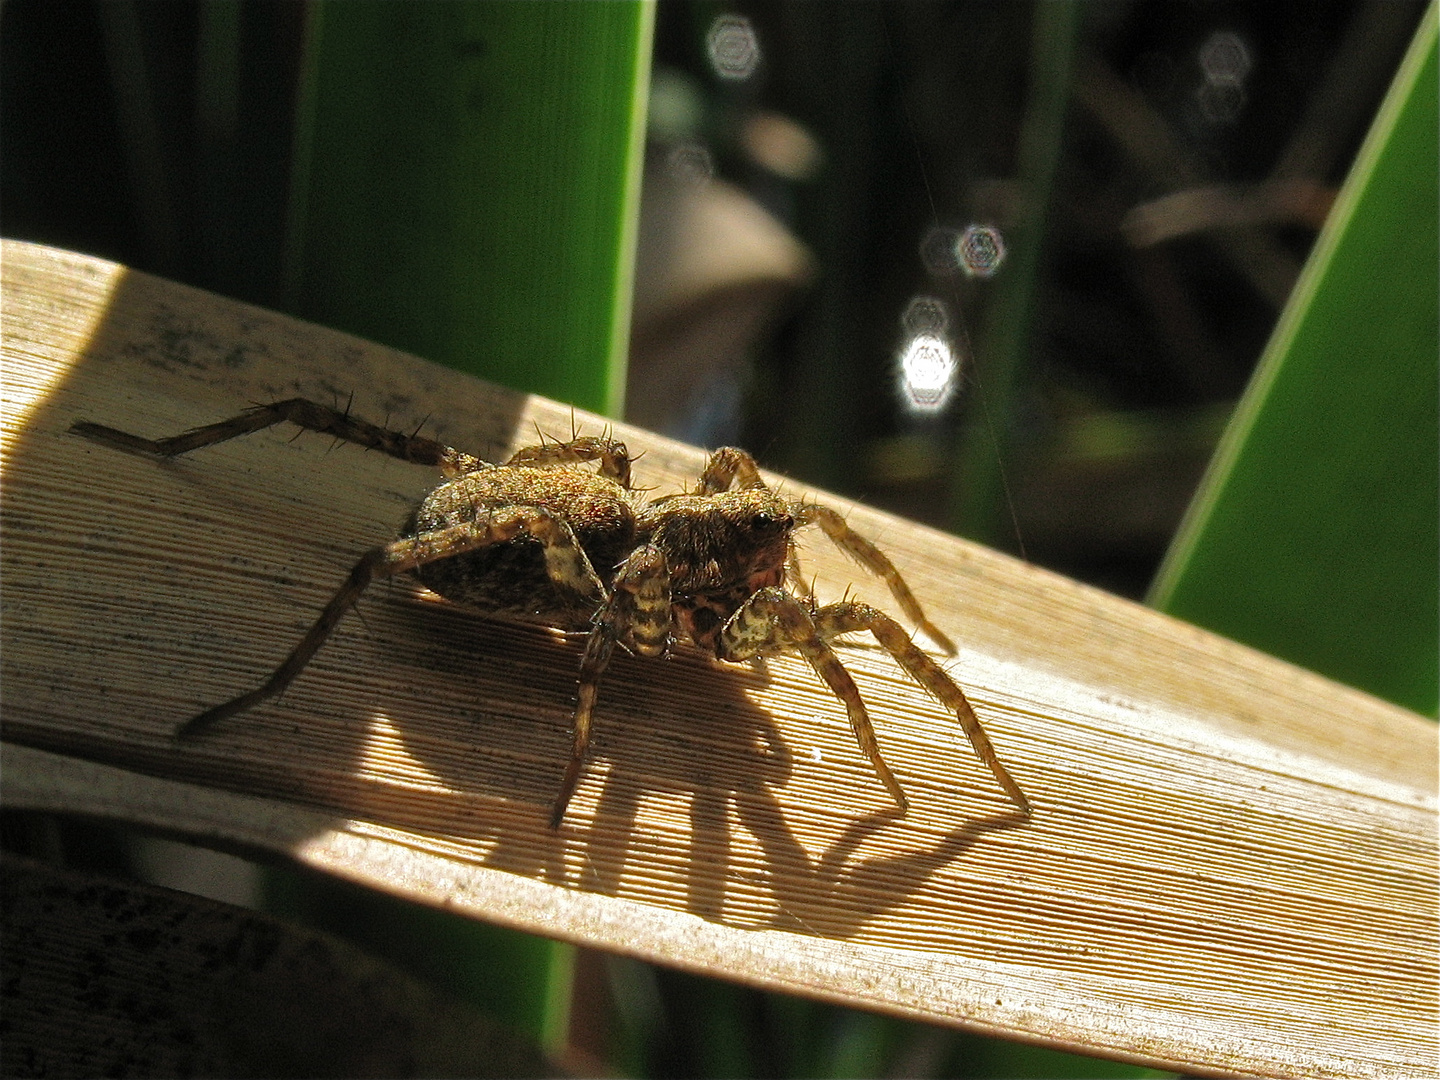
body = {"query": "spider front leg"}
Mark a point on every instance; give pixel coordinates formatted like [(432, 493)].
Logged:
[(636, 616), (303, 413), (730, 466), (874, 560), (771, 620), (565, 562), (845, 618)]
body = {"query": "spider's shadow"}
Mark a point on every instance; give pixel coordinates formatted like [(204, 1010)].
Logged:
[(728, 760)]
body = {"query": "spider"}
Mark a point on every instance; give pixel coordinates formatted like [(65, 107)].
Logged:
[(543, 537)]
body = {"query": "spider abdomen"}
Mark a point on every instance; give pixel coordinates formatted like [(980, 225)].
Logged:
[(511, 576)]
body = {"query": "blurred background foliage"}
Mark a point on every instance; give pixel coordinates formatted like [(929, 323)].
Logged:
[(1004, 268)]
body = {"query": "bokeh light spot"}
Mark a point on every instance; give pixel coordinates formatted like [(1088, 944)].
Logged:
[(1225, 58), (938, 250), (1225, 61), (733, 48), (980, 250), (690, 162), (925, 315), (927, 373)]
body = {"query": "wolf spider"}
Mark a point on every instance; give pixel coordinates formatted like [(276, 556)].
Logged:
[(542, 538)]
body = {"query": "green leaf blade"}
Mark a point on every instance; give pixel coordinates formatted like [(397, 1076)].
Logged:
[(1314, 536)]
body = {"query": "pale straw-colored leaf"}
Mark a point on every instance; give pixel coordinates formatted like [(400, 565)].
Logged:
[(1231, 865)]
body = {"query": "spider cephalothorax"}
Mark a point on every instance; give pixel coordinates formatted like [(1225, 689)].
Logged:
[(546, 537)]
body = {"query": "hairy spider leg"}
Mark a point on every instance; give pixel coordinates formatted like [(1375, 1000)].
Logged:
[(771, 620), (614, 456), (304, 414), (565, 562), (729, 465), (598, 647), (874, 560), (850, 617), (637, 615)]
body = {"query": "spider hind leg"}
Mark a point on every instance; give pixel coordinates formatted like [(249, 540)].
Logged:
[(612, 455), (565, 560), (304, 414)]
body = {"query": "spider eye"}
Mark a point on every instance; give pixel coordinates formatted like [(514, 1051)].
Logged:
[(768, 524)]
